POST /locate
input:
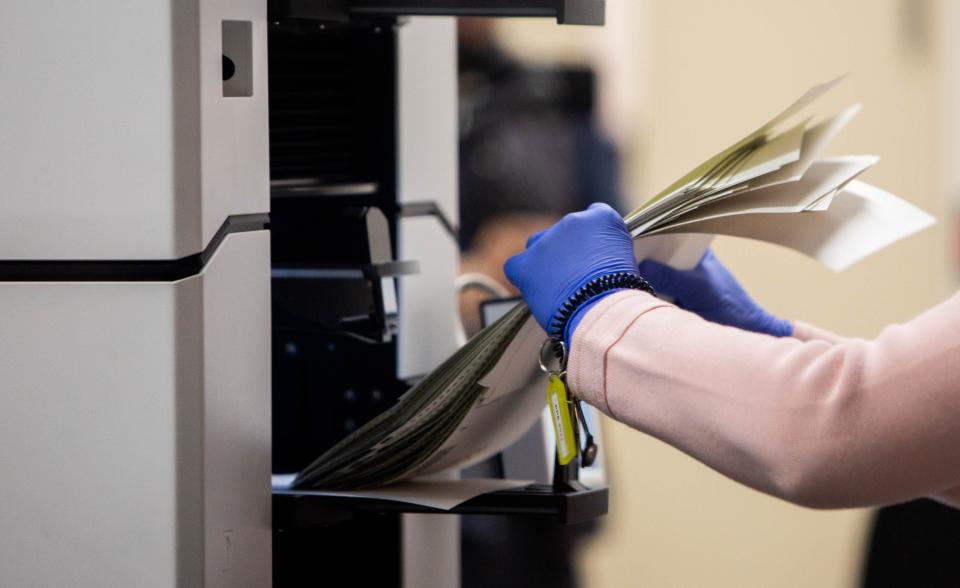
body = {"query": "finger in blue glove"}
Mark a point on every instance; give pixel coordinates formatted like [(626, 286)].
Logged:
[(711, 291)]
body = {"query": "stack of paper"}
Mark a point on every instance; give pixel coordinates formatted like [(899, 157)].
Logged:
[(474, 405), (772, 186)]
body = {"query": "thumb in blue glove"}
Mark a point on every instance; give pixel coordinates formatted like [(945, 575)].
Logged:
[(559, 261), (711, 291)]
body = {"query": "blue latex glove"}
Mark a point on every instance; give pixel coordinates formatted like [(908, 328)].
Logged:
[(711, 291), (558, 261)]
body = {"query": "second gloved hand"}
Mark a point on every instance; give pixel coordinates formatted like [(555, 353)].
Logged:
[(581, 247), (712, 292)]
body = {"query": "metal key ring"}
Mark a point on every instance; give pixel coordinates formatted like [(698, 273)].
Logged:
[(547, 345)]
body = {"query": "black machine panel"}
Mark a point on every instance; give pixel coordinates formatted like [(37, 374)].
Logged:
[(331, 109), (332, 169), (333, 223), (333, 218), (583, 12)]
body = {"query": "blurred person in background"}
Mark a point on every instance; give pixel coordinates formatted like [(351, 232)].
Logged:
[(530, 152)]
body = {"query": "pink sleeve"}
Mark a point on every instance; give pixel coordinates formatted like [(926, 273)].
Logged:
[(806, 332), (822, 423)]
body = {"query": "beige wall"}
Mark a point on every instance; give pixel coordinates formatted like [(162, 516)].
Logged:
[(684, 79)]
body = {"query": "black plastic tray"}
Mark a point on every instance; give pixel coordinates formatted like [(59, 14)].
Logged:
[(296, 509)]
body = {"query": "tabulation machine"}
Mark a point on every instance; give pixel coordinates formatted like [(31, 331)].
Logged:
[(227, 239)]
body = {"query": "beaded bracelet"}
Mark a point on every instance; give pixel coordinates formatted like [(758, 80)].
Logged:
[(605, 283)]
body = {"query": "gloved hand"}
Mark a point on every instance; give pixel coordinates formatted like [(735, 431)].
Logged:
[(712, 292), (558, 261)]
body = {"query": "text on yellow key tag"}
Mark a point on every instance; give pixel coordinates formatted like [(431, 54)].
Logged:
[(559, 406)]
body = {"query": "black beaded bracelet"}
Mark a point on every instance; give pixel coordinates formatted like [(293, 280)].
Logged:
[(605, 283)]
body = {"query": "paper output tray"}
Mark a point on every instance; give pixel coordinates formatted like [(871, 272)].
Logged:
[(303, 509)]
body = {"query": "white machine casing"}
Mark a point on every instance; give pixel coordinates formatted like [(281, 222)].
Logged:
[(134, 414), (135, 411), (118, 140)]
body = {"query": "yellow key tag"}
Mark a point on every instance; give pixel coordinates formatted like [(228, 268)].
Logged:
[(560, 412)]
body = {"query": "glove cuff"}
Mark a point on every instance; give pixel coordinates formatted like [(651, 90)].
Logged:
[(569, 312)]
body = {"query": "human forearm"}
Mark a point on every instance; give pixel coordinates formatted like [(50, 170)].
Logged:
[(826, 425)]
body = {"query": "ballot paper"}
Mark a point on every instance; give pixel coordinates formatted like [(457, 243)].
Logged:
[(814, 206), (511, 403), (716, 173), (769, 186), (861, 220), (464, 404)]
